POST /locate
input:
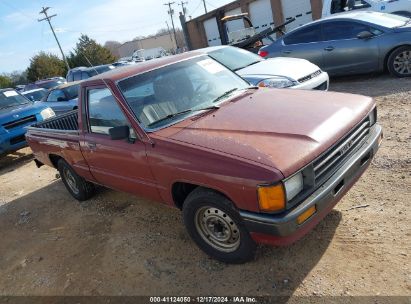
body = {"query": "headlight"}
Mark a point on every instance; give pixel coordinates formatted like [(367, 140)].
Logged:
[(293, 186), (271, 198), (373, 117), (277, 82), (47, 113)]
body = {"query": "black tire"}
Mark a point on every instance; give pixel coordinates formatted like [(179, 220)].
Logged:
[(396, 56), (240, 248), (78, 187)]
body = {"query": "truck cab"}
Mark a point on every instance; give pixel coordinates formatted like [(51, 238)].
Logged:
[(399, 7)]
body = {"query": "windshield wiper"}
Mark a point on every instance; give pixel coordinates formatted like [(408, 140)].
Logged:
[(224, 95), (169, 116)]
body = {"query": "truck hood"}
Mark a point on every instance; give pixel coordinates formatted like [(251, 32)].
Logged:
[(280, 66), (283, 129)]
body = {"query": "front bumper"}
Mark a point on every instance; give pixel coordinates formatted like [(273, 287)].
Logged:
[(283, 229), (321, 82)]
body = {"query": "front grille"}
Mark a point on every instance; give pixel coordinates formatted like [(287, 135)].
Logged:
[(20, 122), (309, 77), (331, 160), (17, 139), (322, 87)]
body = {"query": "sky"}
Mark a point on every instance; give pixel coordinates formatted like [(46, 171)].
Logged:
[(22, 36)]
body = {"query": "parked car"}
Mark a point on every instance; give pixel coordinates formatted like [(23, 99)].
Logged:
[(35, 95), (48, 83), (353, 43), (81, 73), (20, 87), (245, 164), (63, 98), (16, 113), (278, 72), (398, 7)]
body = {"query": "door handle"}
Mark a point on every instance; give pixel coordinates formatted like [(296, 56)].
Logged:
[(287, 52), (329, 48)]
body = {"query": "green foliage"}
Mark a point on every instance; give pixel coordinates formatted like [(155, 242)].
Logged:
[(45, 65), (88, 52), (5, 82)]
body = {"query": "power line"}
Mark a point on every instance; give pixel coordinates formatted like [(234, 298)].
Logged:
[(48, 18), (205, 6), (171, 13)]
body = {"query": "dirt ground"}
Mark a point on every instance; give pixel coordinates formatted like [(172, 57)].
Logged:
[(116, 244)]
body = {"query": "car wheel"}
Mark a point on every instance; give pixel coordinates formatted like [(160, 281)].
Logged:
[(399, 62), (78, 187), (216, 227)]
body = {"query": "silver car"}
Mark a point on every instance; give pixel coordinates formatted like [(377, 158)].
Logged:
[(352, 43)]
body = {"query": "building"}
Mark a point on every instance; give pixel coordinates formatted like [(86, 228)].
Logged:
[(206, 30), (164, 41)]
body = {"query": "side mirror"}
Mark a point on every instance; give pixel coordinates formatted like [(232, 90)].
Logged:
[(365, 35), (61, 99), (118, 133)]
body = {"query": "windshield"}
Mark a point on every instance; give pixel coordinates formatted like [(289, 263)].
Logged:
[(72, 91), (385, 20), (36, 95), (11, 98), (185, 86), (235, 58)]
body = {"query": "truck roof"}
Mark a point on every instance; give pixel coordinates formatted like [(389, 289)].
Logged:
[(142, 67)]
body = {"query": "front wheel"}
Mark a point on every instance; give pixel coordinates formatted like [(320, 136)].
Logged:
[(399, 62), (216, 227), (78, 187)]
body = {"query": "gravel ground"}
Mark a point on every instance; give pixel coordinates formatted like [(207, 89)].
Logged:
[(117, 244)]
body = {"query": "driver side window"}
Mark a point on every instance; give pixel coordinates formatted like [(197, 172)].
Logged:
[(104, 112), (55, 95)]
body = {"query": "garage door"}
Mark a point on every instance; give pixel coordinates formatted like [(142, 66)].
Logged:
[(261, 15), (299, 9), (212, 33)]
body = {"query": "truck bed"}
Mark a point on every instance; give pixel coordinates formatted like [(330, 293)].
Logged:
[(65, 122)]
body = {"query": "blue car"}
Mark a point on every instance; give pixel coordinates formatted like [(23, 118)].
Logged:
[(16, 113), (63, 98)]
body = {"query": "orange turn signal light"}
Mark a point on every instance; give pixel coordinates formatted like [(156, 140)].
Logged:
[(306, 215), (271, 198)]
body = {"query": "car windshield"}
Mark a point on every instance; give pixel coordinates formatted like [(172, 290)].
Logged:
[(385, 20), (11, 98), (166, 95), (72, 91), (234, 58), (36, 95)]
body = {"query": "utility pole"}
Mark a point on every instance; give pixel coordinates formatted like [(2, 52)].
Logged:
[(48, 18), (205, 6), (182, 4), (169, 32), (171, 13)]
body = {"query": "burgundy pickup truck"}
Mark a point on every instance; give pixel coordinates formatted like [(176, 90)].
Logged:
[(246, 165)]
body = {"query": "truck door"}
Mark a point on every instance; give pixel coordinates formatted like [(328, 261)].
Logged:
[(117, 164)]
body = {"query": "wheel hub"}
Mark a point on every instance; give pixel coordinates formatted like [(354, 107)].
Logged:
[(402, 63), (217, 229), (71, 182)]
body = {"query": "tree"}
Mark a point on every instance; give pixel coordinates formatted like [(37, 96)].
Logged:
[(5, 82), (88, 52), (45, 65), (113, 46)]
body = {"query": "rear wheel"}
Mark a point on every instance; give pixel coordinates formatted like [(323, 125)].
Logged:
[(78, 187), (399, 62), (216, 227)]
